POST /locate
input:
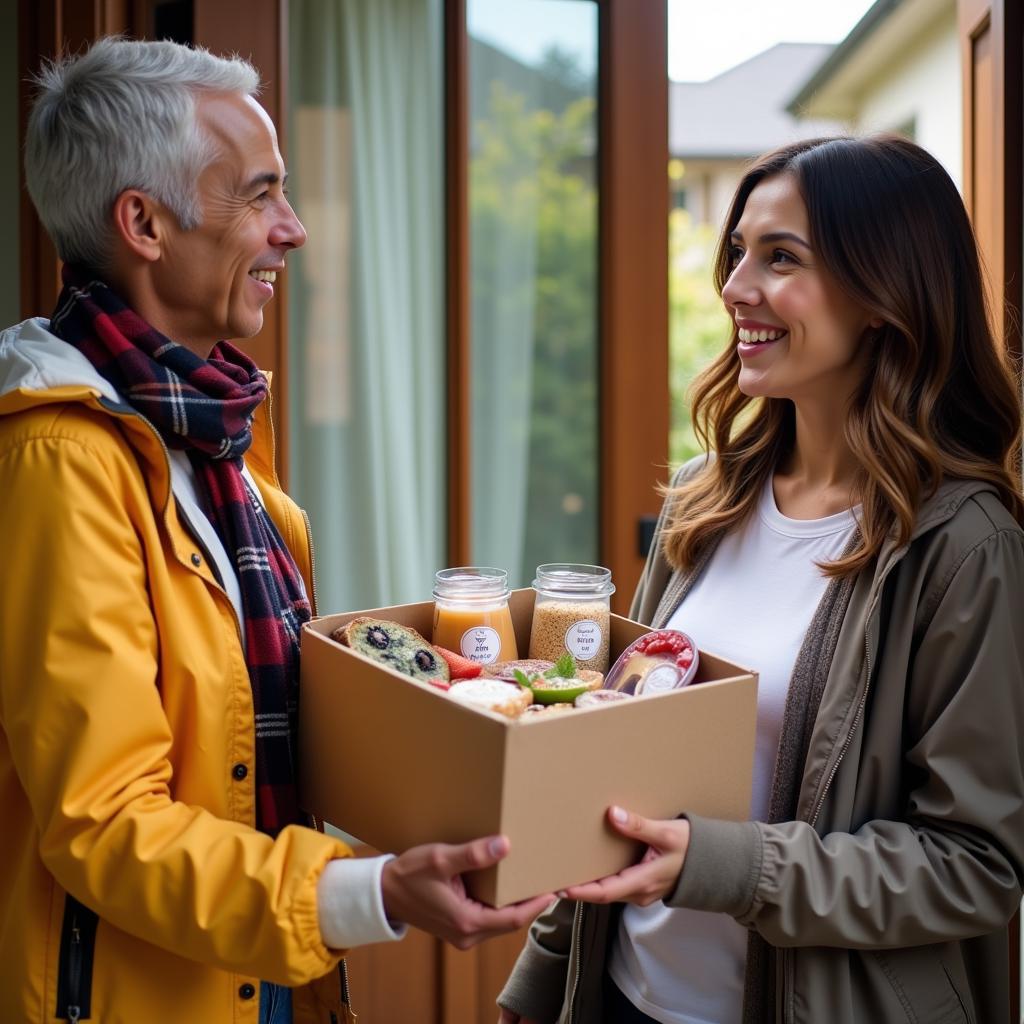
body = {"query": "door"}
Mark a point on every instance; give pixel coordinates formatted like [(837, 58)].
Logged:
[(992, 59)]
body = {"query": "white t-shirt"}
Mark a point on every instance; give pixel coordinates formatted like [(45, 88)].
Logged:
[(753, 605)]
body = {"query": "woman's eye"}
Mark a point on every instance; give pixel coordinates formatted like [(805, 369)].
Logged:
[(781, 256), (735, 255)]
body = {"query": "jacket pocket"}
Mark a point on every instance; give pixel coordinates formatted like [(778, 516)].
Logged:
[(923, 986), (74, 967)]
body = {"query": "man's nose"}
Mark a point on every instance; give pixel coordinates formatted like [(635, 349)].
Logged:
[(288, 230)]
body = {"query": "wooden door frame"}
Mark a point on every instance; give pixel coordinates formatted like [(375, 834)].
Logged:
[(1003, 22), (634, 301), (998, 25)]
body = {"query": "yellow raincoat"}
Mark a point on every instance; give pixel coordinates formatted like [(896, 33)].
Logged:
[(126, 731)]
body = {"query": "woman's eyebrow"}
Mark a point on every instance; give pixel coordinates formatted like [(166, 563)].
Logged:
[(772, 236)]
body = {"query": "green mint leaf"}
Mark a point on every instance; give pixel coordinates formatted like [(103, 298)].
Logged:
[(521, 678), (564, 668)]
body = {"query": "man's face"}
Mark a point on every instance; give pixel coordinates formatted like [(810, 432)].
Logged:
[(212, 283)]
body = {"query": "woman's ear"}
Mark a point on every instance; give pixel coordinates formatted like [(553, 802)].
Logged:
[(138, 224)]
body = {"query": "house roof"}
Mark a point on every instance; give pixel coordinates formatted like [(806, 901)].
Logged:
[(876, 42), (742, 112)]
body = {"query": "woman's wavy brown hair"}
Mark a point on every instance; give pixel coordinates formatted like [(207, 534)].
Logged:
[(939, 398)]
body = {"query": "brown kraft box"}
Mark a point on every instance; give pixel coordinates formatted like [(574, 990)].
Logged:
[(398, 763)]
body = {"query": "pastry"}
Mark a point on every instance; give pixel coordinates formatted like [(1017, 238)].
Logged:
[(395, 646), (507, 669), (493, 695), (538, 711), (595, 698)]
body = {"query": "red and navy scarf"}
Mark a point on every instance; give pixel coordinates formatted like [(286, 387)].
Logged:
[(206, 407)]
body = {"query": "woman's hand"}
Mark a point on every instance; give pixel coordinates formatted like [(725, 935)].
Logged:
[(657, 873)]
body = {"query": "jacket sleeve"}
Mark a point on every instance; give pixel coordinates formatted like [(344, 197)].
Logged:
[(81, 711), (953, 867), (536, 987)]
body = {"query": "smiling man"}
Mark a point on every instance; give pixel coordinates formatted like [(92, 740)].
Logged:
[(156, 859)]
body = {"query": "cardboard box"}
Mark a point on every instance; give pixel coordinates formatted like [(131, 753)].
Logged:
[(398, 763)]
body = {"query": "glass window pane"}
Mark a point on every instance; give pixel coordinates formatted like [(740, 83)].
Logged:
[(533, 281), (366, 301)]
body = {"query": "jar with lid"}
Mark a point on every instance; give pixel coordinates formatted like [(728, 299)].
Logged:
[(471, 614), (572, 612)]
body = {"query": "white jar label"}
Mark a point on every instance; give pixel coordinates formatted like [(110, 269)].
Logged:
[(482, 644), (583, 639)]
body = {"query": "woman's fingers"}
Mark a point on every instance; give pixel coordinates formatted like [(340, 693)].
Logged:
[(636, 884), (657, 873), (663, 835)]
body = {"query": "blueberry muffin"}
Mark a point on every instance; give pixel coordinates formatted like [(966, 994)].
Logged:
[(396, 646)]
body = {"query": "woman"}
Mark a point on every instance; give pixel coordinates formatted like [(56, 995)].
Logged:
[(856, 537)]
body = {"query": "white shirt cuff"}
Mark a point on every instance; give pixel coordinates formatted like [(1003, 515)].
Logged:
[(351, 905)]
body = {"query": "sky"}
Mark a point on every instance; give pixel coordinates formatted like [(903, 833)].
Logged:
[(705, 37)]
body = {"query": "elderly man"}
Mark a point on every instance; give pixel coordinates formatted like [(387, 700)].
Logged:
[(155, 862)]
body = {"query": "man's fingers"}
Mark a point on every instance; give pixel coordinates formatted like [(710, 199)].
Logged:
[(480, 853)]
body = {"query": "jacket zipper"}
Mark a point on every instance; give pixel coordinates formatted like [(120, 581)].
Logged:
[(350, 1014), (861, 705), (74, 968), (312, 561), (576, 943), (787, 954), (305, 517)]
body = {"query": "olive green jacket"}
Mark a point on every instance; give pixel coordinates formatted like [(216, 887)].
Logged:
[(888, 897)]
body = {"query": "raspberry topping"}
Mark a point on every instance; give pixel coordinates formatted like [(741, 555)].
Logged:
[(666, 641)]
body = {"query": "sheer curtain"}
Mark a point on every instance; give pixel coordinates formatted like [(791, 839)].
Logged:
[(366, 302), (533, 282)]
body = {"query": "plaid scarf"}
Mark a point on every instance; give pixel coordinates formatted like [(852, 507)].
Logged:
[(206, 406)]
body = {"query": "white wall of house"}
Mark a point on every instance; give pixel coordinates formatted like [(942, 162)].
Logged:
[(924, 87), (710, 185)]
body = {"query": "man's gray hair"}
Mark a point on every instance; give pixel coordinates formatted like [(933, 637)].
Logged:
[(121, 116)]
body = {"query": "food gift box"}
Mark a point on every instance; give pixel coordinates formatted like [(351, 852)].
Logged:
[(397, 763)]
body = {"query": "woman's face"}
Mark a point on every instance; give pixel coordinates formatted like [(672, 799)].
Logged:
[(800, 336)]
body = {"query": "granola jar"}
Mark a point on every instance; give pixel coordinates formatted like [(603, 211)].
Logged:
[(572, 612)]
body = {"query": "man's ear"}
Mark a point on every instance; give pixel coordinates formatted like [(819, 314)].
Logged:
[(139, 223)]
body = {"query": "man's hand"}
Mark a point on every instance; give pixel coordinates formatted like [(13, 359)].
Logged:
[(423, 888), (658, 871)]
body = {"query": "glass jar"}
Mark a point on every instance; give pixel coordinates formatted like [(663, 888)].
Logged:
[(572, 612), (471, 614)]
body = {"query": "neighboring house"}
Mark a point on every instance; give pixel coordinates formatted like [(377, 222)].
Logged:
[(717, 127), (897, 70)]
